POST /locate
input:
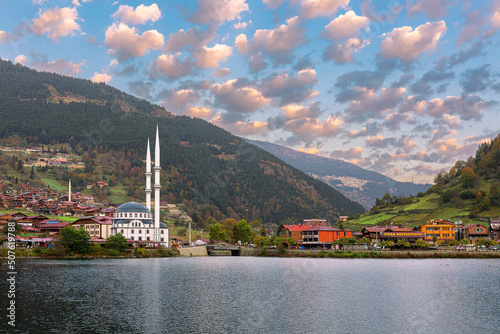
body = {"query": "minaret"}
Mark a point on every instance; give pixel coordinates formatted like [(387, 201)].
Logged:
[(148, 177), (69, 191), (157, 188)]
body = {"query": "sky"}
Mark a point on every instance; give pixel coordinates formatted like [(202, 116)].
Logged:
[(404, 88)]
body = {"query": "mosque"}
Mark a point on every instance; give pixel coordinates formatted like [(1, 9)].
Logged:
[(136, 221)]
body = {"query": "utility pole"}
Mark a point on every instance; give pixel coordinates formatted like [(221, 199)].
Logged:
[(190, 233)]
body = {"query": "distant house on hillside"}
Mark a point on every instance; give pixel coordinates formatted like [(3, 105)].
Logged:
[(440, 229), (95, 226), (292, 231), (495, 229), (323, 236), (315, 222), (474, 232)]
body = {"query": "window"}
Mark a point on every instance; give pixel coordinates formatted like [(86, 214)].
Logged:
[(140, 231), (147, 231), (140, 238), (161, 232), (161, 239), (131, 238), (147, 238), (132, 231), (121, 231), (135, 215)]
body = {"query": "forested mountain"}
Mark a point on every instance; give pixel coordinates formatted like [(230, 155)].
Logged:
[(213, 173), (356, 183)]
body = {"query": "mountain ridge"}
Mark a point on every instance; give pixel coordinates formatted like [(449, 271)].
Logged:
[(364, 187)]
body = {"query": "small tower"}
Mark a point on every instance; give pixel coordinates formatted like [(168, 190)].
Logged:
[(69, 191), (157, 187), (148, 177)]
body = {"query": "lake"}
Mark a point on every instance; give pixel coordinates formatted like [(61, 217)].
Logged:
[(255, 295)]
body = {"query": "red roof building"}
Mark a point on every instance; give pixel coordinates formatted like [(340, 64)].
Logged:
[(323, 236), (293, 231)]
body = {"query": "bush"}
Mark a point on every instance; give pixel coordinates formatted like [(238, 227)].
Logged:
[(112, 252), (96, 250), (421, 194), (117, 242), (139, 252)]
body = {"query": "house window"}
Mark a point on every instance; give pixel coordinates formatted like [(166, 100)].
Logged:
[(161, 232), (140, 231), (147, 231), (140, 238), (135, 215), (147, 238), (161, 238), (121, 231), (140, 215), (131, 238), (132, 231)]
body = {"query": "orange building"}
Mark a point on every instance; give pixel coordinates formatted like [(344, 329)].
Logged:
[(441, 229), (323, 236)]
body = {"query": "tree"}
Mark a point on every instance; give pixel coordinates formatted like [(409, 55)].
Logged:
[(75, 240), (364, 241), (18, 228), (420, 243), (468, 177), (216, 232), (243, 231), (465, 241), (117, 241)]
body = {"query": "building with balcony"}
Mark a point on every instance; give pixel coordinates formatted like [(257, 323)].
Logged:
[(475, 232), (440, 229)]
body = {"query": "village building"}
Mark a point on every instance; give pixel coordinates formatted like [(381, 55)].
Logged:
[(439, 229), (494, 229), (323, 236), (373, 233), (52, 226), (475, 232), (400, 233), (293, 231), (95, 226), (315, 222)]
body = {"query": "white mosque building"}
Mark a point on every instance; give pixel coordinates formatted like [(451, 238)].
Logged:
[(136, 221)]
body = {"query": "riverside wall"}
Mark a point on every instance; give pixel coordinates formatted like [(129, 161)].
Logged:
[(193, 251)]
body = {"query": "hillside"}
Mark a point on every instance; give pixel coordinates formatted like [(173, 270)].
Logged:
[(356, 183), (211, 172), (469, 192)]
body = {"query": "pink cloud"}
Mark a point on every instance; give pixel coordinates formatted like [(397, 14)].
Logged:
[(140, 15), (345, 26), (435, 9), (466, 106), (60, 66), (352, 153), (407, 44), (200, 112), (124, 42), (172, 66), (273, 3), (6, 37), (297, 111), (451, 121), (218, 10), (222, 72), (194, 37), (210, 57), (21, 59), (56, 22), (101, 77), (242, 128), (310, 128), (312, 150), (344, 53), (242, 25), (314, 8), (370, 105), (237, 98)]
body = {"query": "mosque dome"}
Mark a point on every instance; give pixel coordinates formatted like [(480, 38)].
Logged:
[(132, 207)]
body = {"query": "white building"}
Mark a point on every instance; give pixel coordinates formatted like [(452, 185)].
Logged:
[(136, 221)]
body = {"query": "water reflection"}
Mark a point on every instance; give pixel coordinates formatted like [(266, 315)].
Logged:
[(261, 295)]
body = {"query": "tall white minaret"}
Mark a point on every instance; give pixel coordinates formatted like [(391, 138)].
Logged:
[(157, 187), (69, 191), (148, 177)]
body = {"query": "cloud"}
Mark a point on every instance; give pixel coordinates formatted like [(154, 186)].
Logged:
[(21, 59), (370, 105), (407, 44), (200, 112), (172, 66), (56, 23), (309, 128), (463, 55), (75, 3), (175, 98), (476, 79), (257, 63), (344, 53), (435, 9), (194, 37), (451, 121), (311, 150), (467, 107), (395, 119), (288, 89), (242, 128), (60, 66), (345, 26), (242, 25), (140, 15), (348, 84), (142, 89), (222, 72), (449, 149), (371, 129), (218, 10), (6, 37), (124, 42), (101, 77), (352, 153), (314, 8), (472, 27), (278, 42), (237, 98), (296, 111), (495, 17), (273, 3), (210, 57)]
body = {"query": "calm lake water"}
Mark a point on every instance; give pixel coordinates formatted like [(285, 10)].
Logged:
[(256, 295)]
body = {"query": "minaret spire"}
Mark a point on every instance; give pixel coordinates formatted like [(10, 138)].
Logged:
[(148, 177), (157, 187), (69, 191)]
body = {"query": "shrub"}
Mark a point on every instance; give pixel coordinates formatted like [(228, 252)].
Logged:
[(139, 252), (111, 252), (96, 250)]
